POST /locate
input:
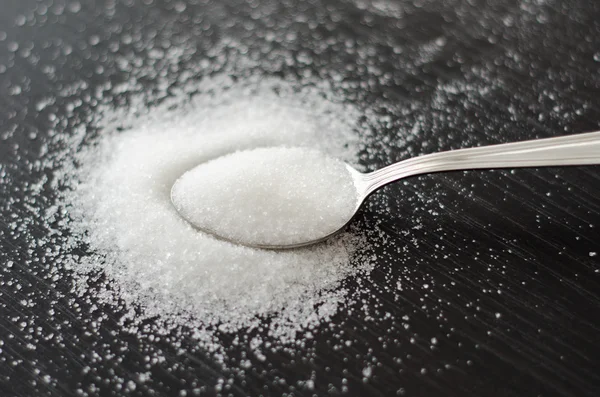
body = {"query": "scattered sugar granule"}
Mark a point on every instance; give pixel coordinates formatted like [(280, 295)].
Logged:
[(268, 197)]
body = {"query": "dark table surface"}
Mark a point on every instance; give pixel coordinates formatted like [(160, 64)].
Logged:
[(512, 303)]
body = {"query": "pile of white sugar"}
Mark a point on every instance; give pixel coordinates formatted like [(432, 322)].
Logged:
[(268, 197), (119, 208)]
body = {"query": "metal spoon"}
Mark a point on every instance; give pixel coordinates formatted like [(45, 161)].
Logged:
[(578, 149)]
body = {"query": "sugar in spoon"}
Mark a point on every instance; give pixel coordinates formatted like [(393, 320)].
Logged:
[(279, 198)]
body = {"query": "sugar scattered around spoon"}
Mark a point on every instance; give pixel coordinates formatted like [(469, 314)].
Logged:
[(119, 206)]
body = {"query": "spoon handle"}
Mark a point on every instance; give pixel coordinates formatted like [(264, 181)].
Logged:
[(577, 149)]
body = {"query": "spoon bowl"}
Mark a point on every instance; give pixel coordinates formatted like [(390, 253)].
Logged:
[(354, 187)]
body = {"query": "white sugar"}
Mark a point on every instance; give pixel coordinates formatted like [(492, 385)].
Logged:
[(119, 206), (105, 284), (268, 197)]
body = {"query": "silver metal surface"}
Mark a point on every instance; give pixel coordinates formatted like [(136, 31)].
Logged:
[(577, 149)]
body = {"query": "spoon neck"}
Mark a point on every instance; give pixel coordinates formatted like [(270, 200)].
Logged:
[(577, 149), (375, 180)]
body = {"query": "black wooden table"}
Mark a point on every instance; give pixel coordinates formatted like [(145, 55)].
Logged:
[(497, 292)]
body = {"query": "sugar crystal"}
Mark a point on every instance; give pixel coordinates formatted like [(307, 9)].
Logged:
[(119, 206), (268, 196)]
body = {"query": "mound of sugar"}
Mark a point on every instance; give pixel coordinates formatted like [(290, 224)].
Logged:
[(119, 206), (268, 197)]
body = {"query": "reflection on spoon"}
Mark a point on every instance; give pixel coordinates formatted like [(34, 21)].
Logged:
[(291, 197)]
